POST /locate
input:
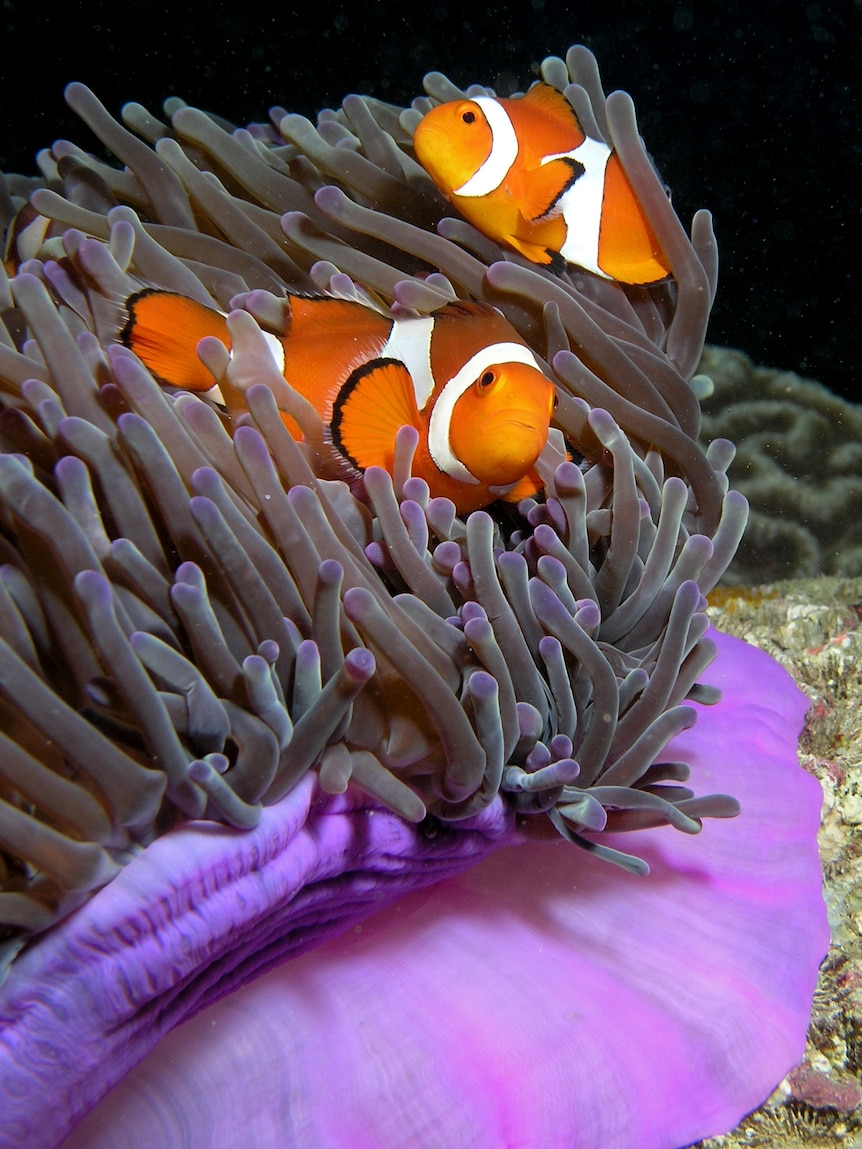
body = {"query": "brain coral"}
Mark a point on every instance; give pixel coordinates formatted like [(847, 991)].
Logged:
[(798, 462)]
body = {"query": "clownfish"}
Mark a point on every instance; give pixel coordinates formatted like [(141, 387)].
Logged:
[(461, 376), (524, 172)]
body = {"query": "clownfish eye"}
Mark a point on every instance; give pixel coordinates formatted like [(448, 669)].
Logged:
[(485, 381), (468, 117)]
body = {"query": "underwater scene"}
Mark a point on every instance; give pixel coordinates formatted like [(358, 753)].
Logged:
[(430, 580)]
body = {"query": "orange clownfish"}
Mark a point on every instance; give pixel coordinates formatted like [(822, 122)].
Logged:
[(524, 172), (461, 376)]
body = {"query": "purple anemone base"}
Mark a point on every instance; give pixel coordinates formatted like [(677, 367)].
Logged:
[(535, 997)]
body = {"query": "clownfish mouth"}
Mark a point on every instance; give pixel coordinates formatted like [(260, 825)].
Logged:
[(431, 140), (433, 147), (515, 445), (516, 423)]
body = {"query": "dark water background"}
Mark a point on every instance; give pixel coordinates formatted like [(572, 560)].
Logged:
[(752, 110)]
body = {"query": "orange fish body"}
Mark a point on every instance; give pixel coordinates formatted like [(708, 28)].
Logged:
[(462, 377), (524, 172)]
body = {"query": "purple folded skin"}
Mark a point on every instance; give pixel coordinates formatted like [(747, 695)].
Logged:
[(541, 998), (202, 911)]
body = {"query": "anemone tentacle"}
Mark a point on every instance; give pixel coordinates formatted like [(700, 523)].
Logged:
[(196, 624)]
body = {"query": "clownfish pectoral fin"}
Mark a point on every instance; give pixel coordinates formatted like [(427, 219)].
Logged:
[(375, 401), (545, 185), (164, 329)]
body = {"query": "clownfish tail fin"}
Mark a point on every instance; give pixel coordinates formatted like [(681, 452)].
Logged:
[(164, 329)]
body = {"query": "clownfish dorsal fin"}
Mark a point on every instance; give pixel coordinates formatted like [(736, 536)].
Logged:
[(463, 309), (554, 104), (326, 340), (164, 329), (373, 404), (316, 317)]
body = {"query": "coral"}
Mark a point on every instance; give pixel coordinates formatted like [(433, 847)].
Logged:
[(812, 628), (799, 464)]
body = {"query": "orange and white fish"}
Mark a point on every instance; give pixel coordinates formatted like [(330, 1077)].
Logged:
[(461, 376), (524, 172)]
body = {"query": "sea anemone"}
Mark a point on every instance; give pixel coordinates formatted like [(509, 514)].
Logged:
[(243, 709)]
